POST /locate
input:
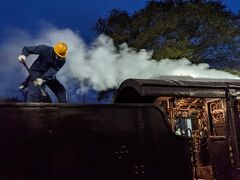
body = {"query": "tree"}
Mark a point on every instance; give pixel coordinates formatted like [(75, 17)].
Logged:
[(200, 30)]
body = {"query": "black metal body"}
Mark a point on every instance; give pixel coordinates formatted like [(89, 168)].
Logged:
[(142, 90), (91, 142), (130, 139)]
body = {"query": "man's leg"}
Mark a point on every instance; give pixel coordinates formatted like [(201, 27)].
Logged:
[(58, 89)]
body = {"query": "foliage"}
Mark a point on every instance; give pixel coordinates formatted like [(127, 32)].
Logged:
[(200, 30)]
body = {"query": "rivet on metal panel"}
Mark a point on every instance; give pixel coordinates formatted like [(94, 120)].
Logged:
[(136, 172), (50, 131), (122, 152), (136, 166), (142, 172)]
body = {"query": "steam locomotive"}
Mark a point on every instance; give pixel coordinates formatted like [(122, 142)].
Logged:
[(167, 128)]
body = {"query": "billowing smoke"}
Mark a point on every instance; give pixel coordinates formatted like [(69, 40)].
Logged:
[(101, 63)]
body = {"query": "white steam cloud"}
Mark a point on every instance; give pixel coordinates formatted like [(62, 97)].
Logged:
[(101, 63)]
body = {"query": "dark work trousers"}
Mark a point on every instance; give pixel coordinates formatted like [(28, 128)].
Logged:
[(34, 92), (58, 89)]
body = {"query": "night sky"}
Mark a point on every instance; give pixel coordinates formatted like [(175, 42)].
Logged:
[(78, 15)]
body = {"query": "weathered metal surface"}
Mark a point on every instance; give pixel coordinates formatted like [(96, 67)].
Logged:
[(221, 160), (141, 90), (93, 142)]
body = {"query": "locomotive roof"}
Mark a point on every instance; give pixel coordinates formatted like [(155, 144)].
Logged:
[(175, 86)]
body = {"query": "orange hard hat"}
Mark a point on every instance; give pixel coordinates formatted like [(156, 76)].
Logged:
[(61, 49)]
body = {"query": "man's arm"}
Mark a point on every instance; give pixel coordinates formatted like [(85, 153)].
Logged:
[(26, 50)]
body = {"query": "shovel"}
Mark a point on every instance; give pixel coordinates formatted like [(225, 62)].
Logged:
[(43, 92)]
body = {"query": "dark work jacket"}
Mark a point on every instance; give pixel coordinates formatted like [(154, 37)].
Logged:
[(46, 65)]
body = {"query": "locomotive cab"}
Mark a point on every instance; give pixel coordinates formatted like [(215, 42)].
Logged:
[(205, 111)]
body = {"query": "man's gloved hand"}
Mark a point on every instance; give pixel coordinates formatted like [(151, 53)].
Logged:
[(21, 58), (38, 81)]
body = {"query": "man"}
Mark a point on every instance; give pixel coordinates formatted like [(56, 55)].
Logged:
[(43, 71)]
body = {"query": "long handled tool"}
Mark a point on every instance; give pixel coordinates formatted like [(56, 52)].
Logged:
[(43, 92)]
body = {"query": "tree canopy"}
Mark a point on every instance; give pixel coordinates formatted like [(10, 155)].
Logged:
[(200, 30)]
